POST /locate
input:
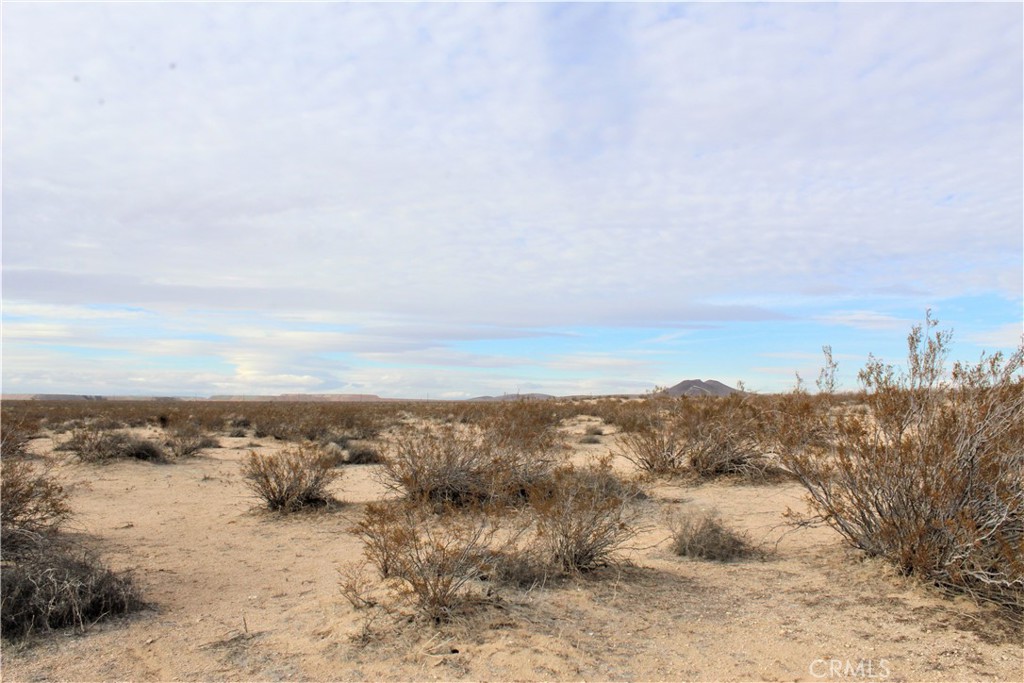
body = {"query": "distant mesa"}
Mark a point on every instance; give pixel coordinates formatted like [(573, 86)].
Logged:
[(693, 388), (294, 398), (514, 397)]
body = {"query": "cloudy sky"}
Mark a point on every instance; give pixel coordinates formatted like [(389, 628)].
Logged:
[(449, 200)]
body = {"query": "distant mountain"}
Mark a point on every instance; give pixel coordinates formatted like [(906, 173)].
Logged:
[(513, 397), (295, 398), (697, 387)]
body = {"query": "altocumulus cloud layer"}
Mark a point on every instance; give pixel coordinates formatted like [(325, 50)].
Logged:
[(452, 200)]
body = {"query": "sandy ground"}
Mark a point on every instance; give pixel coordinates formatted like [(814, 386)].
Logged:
[(239, 594)]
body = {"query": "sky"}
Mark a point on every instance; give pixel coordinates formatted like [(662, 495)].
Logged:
[(453, 200)]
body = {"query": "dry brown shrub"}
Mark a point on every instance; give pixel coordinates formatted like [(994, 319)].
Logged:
[(654, 449), (292, 479), (460, 465), (706, 537), (188, 439), (14, 437), (95, 445), (430, 561), (51, 586), (530, 426), (583, 516), (932, 478), (705, 438), (33, 503), (724, 437)]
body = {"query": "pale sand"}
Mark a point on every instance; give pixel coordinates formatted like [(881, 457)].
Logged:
[(239, 594)]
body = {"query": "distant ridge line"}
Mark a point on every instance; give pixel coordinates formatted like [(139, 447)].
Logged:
[(693, 388), (687, 388)]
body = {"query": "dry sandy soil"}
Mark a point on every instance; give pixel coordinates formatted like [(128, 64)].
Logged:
[(240, 594)]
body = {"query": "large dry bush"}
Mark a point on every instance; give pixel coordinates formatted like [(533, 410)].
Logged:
[(52, 586), (655, 449), (932, 477), (291, 479), (702, 437), (45, 584), (433, 561), (92, 444), (583, 516), (32, 503), (460, 465), (723, 437)]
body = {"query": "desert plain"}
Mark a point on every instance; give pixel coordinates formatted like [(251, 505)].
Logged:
[(234, 592)]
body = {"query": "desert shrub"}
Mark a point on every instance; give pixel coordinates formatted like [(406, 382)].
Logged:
[(430, 561), (33, 503), (52, 587), (654, 449), (595, 431), (235, 421), (188, 439), (291, 479), (724, 437), (631, 415), (706, 537), (14, 437), (238, 432), (97, 445), (459, 465), (589, 439), (931, 478), (703, 437), (525, 425), (583, 516), (363, 454)]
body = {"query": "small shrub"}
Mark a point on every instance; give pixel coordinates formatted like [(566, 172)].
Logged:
[(13, 439), (590, 439), (363, 455), (292, 479), (33, 503), (188, 440), (595, 431), (583, 516), (234, 421), (705, 537), (52, 587), (238, 433), (95, 445)]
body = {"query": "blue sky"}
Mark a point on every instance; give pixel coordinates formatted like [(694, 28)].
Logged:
[(450, 200)]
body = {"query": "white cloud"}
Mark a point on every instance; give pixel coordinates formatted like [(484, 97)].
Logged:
[(423, 174), (1009, 336), (867, 320)]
